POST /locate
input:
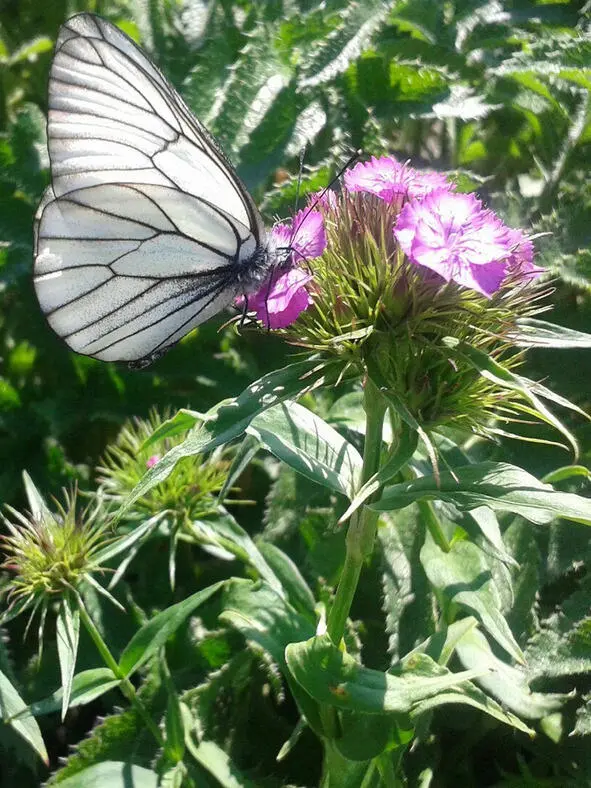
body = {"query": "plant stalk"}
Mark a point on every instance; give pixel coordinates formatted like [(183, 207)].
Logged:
[(125, 685), (362, 528)]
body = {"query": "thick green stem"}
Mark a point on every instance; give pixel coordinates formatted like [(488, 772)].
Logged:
[(362, 528), (125, 685)]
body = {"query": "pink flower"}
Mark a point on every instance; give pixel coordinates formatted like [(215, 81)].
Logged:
[(280, 300), (151, 461), (278, 303), (453, 235), (387, 178), (304, 238)]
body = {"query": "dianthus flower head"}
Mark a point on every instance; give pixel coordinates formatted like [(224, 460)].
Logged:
[(388, 179), (453, 235), (411, 271)]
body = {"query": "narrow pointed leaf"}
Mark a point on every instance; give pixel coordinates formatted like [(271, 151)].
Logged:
[(246, 452), (86, 687), (469, 695), (12, 706), (566, 472), (262, 616), (67, 634), (223, 532), (124, 543), (15, 609), (537, 388), (156, 632), (214, 760), (37, 505), (182, 421), (487, 523), (500, 486), (506, 683), (174, 747), (291, 579)]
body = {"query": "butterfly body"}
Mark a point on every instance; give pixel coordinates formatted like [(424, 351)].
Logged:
[(146, 230)]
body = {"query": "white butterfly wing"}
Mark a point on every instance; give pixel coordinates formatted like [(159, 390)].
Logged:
[(146, 230)]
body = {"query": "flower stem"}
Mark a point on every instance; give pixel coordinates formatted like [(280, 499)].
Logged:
[(362, 528), (125, 685)]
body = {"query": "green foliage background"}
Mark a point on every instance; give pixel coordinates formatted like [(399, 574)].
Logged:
[(495, 93)]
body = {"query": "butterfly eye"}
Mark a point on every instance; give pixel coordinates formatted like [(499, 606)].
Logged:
[(146, 230)]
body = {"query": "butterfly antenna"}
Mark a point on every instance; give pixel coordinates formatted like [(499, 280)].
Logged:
[(336, 178)]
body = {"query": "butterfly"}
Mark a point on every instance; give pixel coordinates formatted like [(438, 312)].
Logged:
[(146, 230)]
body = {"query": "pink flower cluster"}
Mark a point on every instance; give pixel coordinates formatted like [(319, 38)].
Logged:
[(451, 234)]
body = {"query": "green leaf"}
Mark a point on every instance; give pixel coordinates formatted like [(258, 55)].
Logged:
[(487, 524), (270, 622), (583, 724), (538, 333), (112, 774), (309, 445), (403, 451), (463, 576), (182, 421), (365, 736), (332, 676), (469, 695), (561, 646), (222, 531), (397, 576), (174, 746), (173, 777), (11, 706), (498, 485), (245, 453), (441, 645), (249, 92), (217, 52), (67, 635), (218, 764), (228, 419), (262, 616), (156, 632), (86, 686), (30, 50), (566, 472), (508, 684), (333, 53), (298, 591)]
